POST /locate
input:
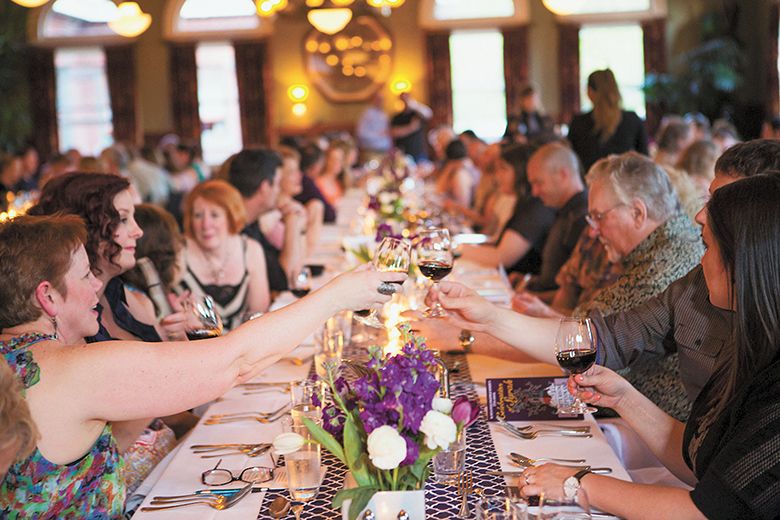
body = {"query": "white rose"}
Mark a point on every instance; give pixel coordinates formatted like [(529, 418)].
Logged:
[(386, 447), (439, 430), (442, 404)]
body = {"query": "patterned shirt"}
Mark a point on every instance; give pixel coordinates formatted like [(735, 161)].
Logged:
[(669, 252), (91, 487)]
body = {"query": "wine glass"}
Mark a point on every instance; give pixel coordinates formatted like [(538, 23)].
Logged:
[(565, 508), (300, 285), (575, 351), (203, 319), (434, 258), (393, 255)]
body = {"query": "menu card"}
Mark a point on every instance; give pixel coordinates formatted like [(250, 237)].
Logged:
[(527, 398)]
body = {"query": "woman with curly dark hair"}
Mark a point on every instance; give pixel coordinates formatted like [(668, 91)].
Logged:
[(105, 204)]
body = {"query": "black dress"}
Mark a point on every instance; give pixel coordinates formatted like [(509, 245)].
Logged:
[(629, 135), (117, 302), (738, 459)]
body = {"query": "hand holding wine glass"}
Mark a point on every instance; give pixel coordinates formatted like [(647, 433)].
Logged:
[(575, 351), (300, 285), (392, 255), (434, 258)]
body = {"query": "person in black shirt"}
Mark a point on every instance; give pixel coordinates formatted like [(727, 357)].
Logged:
[(256, 175), (312, 161), (408, 128)]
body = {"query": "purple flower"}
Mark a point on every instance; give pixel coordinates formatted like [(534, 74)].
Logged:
[(412, 451), (333, 421), (464, 412)]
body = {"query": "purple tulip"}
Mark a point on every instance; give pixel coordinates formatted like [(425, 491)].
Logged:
[(464, 412)]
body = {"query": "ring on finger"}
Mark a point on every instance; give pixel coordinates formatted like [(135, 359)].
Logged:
[(387, 288)]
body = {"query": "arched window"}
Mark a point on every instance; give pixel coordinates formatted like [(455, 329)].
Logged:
[(451, 14)]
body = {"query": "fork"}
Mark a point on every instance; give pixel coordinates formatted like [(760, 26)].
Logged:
[(522, 460), (465, 486), (261, 418), (218, 504), (542, 433), (253, 452), (252, 414), (543, 428)]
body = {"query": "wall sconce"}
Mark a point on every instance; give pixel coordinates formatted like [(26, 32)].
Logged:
[(400, 85), (267, 8), (30, 3), (299, 109), (330, 20), (130, 21), (298, 93)]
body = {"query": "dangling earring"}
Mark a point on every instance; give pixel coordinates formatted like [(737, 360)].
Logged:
[(56, 331)]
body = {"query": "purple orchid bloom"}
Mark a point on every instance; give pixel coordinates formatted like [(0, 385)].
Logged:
[(464, 412)]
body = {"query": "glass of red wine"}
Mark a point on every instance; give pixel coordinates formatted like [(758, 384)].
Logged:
[(300, 285), (203, 319), (575, 351), (434, 259), (392, 255)]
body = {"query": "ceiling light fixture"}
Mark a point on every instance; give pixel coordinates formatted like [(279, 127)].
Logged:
[(131, 21), (329, 20), (30, 3)]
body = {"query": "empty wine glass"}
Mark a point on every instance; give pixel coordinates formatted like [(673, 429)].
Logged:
[(565, 508), (300, 285), (203, 319), (575, 351), (392, 255), (434, 259)]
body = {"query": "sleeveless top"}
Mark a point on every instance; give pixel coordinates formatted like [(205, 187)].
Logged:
[(90, 487), (230, 300), (117, 302)]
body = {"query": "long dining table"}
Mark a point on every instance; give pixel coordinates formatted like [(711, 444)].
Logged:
[(488, 445)]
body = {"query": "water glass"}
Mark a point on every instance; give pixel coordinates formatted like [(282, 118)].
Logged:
[(448, 464), (303, 467), (307, 397), (502, 508), (565, 508)]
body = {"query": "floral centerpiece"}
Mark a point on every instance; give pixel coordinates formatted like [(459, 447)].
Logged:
[(388, 424)]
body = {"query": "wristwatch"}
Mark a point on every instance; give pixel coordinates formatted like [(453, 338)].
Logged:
[(572, 484), (466, 340)]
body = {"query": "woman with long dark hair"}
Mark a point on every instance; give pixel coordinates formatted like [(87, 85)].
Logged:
[(728, 449)]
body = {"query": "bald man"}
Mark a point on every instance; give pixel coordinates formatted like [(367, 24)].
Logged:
[(554, 176)]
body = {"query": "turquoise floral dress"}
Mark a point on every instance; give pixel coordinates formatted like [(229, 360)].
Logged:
[(35, 488)]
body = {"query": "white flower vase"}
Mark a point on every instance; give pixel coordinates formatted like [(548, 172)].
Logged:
[(387, 504)]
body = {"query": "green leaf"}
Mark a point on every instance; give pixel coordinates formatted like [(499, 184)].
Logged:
[(419, 467), (326, 439), (359, 496), (353, 450)]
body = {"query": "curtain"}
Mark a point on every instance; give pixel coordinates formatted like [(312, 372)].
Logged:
[(184, 92), (773, 84), (42, 77), (120, 69), (569, 75), (439, 78), (654, 39), (515, 65), (252, 71)]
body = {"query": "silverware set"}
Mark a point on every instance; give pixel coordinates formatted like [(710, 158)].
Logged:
[(262, 388), (213, 500), (223, 450), (523, 461), (532, 432), (261, 417)]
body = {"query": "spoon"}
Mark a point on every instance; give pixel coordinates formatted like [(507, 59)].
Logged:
[(279, 507)]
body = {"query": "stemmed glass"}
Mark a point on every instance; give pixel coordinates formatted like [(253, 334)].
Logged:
[(434, 258), (300, 285), (565, 508), (575, 351), (203, 319), (392, 255)]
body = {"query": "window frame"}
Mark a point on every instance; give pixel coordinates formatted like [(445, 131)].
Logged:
[(35, 33), (171, 33), (427, 21)]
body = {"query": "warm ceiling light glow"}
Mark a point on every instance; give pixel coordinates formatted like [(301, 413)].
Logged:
[(561, 7), (299, 109), (30, 3), (400, 85), (314, 3), (329, 21), (341, 3), (298, 93), (131, 21)]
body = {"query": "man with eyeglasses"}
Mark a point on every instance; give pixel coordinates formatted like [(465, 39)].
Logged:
[(680, 319)]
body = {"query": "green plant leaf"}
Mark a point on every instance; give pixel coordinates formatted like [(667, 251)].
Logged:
[(359, 496), (326, 439), (419, 467), (353, 450)]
